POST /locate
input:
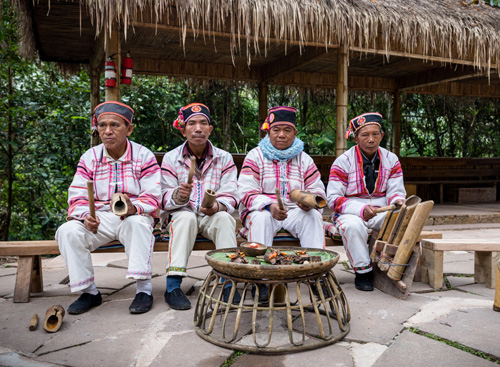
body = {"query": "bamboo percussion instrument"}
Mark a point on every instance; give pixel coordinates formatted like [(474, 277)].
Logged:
[(385, 208), (191, 170), (278, 197), (409, 239), (119, 204), (307, 198), (208, 199), (496, 303), (34, 322), (53, 318)]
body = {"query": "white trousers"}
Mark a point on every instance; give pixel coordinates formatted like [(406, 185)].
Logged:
[(306, 226), (354, 232), (184, 226), (76, 243)]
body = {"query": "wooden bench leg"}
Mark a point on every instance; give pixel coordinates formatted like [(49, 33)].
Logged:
[(432, 268), (28, 278), (484, 267)]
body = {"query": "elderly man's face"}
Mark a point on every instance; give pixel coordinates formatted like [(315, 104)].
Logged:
[(114, 132), (368, 139), (197, 131), (282, 136)]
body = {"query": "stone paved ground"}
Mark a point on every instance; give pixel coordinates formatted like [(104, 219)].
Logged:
[(454, 326)]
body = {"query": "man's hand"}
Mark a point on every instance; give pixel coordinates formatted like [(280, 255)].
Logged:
[(304, 207), (91, 224), (277, 213), (131, 208), (368, 213), (210, 211), (185, 190), (399, 202)]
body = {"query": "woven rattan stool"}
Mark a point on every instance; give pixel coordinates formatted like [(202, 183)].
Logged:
[(306, 310)]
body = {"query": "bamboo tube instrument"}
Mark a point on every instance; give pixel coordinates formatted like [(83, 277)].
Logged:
[(90, 190), (119, 205), (408, 241), (208, 199), (308, 199), (496, 303), (53, 318)]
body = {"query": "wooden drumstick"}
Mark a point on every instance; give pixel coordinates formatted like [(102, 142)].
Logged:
[(34, 322), (191, 170), (90, 190), (278, 197), (385, 209)]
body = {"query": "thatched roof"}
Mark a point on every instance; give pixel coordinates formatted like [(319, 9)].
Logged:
[(252, 33)]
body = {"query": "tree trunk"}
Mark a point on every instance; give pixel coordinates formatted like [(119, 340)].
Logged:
[(9, 166)]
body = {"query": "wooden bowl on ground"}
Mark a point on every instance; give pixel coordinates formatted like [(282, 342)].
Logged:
[(253, 249)]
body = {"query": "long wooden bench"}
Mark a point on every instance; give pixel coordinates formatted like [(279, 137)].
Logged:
[(486, 255), (29, 278)]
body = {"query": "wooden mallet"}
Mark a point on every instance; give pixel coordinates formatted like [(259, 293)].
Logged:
[(278, 197), (90, 190), (191, 170)]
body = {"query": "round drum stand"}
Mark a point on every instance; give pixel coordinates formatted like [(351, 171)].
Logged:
[(303, 312)]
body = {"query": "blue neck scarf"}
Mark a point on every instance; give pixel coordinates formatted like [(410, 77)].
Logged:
[(272, 153)]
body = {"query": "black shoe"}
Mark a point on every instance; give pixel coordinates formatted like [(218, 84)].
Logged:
[(177, 300), (142, 303), (84, 303), (263, 293), (236, 298), (364, 282)]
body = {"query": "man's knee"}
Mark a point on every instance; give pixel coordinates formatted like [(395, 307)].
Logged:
[(224, 219), (353, 225), (70, 230), (185, 219), (259, 218)]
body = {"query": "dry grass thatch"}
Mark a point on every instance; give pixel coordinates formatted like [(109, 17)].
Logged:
[(444, 28)]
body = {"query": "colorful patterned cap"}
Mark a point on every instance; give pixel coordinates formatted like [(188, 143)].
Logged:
[(113, 108), (357, 123), (280, 115), (186, 112)]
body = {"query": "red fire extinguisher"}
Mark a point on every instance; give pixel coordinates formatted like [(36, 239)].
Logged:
[(110, 73), (127, 64)]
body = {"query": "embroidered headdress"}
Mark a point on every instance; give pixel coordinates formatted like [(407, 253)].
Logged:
[(186, 112), (358, 122), (113, 108), (281, 115)]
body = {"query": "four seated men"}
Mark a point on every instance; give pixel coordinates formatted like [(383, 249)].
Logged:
[(363, 178)]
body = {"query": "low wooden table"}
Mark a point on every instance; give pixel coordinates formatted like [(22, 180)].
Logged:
[(313, 312)]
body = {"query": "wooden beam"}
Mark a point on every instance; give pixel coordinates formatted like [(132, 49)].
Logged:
[(342, 97), (291, 62), (434, 77), (97, 60)]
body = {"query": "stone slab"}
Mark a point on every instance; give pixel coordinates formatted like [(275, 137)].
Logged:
[(458, 262), (459, 282), (188, 349), (479, 289), (13, 359), (332, 355), (8, 269), (377, 317), (468, 326), (422, 351)]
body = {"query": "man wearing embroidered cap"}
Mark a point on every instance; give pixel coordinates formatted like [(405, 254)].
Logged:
[(118, 165), (181, 201), (363, 178), (280, 163)]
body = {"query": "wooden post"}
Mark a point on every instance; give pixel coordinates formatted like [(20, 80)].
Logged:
[(342, 94), (113, 50), (96, 66), (496, 303), (396, 124), (262, 107)]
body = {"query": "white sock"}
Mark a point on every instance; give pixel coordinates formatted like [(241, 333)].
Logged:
[(144, 285), (92, 289)]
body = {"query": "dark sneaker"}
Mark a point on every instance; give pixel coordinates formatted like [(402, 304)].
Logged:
[(236, 298), (263, 293), (142, 303), (177, 300), (364, 282), (84, 303)]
